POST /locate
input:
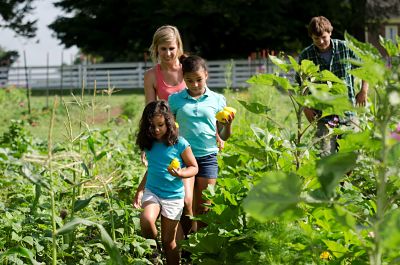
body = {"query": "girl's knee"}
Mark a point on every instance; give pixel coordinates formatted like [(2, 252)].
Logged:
[(148, 229), (188, 202), (146, 223), (169, 244)]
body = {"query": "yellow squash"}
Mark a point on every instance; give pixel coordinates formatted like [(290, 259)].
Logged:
[(230, 109), (175, 164), (224, 114)]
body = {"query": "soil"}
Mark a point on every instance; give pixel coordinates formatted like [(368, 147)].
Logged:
[(102, 116)]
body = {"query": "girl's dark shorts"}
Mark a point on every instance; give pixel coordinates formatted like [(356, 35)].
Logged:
[(208, 166)]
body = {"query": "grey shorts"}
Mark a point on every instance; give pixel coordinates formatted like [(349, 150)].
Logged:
[(170, 208)]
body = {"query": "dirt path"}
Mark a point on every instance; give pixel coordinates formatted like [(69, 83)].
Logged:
[(102, 116)]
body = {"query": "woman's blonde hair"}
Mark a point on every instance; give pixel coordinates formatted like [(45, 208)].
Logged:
[(165, 34)]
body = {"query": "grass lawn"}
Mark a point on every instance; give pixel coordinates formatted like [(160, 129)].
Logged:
[(99, 111), (119, 110)]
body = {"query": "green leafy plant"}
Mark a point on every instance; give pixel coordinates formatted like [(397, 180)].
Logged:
[(317, 184)]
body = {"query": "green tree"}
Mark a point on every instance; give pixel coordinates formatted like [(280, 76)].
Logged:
[(116, 31), (13, 16), (378, 10), (122, 31), (7, 58)]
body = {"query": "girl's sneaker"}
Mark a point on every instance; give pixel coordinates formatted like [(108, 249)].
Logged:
[(156, 257)]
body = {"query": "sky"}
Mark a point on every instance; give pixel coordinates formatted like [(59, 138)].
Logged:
[(36, 49)]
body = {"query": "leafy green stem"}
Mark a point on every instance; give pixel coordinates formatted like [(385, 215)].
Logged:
[(50, 168)]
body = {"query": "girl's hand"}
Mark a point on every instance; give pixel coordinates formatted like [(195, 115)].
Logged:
[(220, 143), (361, 98), (229, 120), (143, 158), (311, 114), (137, 201), (175, 172)]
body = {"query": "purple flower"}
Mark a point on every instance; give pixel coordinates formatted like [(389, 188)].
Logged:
[(334, 122), (396, 134)]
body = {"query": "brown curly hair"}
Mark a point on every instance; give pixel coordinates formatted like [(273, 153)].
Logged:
[(145, 137), (319, 25)]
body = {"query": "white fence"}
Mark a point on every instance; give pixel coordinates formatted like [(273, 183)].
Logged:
[(232, 73)]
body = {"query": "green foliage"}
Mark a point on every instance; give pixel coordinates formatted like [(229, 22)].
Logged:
[(256, 108), (390, 231), (277, 194), (391, 48), (358, 141), (21, 252), (331, 169), (132, 107), (81, 204), (105, 237), (276, 201), (352, 188), (7, 58), (16, 139), (11, 96), (14, 13), (90, 179), (243, 26)]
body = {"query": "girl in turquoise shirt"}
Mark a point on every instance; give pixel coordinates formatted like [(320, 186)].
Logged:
[(195, 108), (161, 190)]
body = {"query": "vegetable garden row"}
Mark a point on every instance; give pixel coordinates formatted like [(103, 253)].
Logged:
[(276, 201)]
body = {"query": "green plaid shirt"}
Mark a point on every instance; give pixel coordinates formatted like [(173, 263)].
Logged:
[(339, 64)]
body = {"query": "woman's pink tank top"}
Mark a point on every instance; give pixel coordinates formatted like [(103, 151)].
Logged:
[(164, 90)]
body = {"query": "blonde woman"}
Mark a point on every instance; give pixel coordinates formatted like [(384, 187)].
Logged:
[(165, 78)]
